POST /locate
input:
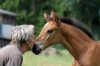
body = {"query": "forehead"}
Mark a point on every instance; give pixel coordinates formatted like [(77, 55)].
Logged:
[(50, 25)]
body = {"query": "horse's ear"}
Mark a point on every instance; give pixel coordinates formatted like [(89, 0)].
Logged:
[(54, 15), (46, 16)]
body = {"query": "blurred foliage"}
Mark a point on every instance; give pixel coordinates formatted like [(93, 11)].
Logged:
[(31, 11)]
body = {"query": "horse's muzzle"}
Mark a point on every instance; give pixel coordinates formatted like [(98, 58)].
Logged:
[(36, 49)]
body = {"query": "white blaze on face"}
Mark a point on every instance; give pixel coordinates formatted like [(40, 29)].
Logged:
[(47, 27)]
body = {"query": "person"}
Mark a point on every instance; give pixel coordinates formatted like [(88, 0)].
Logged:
[(22, 40)]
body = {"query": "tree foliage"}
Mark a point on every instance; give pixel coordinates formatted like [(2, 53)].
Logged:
[(31, 11)]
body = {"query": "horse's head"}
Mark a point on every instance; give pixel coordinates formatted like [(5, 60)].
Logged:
[(49, 35)]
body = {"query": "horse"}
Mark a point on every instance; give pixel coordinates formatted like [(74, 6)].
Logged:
[(73, 36)]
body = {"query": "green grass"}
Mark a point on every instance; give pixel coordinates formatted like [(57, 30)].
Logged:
[(30, 59)]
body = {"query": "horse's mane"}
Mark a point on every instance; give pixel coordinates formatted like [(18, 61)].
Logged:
[(76, 24)]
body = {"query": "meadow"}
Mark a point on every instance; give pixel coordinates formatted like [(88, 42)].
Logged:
[(64, 59)]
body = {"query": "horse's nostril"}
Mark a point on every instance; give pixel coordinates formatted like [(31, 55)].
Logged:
[(36, 49)]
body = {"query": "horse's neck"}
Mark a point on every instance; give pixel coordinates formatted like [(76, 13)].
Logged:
[(74, 39)]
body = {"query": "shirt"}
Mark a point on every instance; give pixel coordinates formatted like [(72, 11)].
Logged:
[(10, 55)]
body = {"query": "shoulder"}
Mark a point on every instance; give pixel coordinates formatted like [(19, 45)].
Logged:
[(12, 50), (17, 56)]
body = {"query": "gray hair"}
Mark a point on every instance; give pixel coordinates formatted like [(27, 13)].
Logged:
[(22, 33)]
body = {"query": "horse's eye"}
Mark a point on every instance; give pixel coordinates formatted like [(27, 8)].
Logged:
[(50, 31)]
